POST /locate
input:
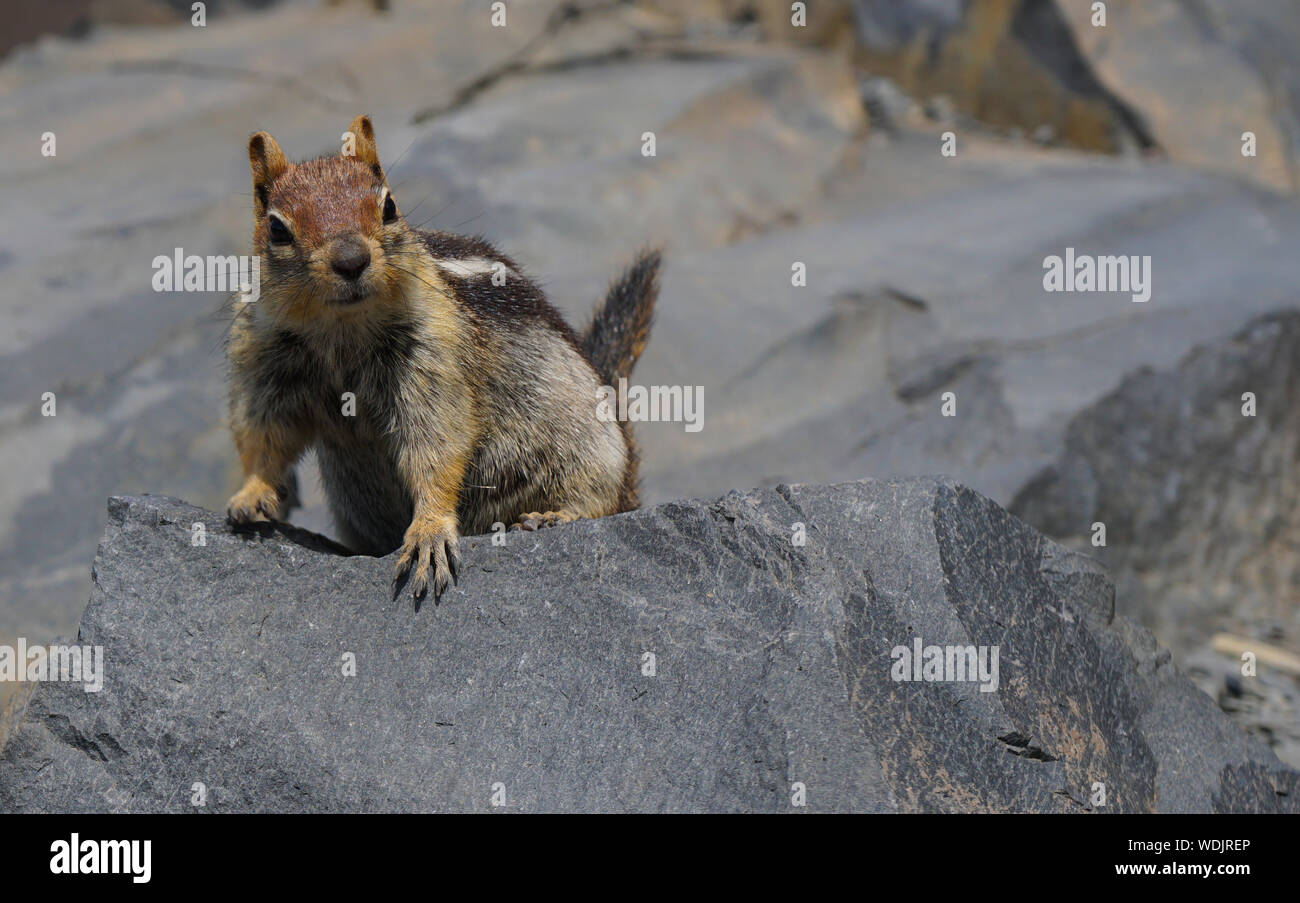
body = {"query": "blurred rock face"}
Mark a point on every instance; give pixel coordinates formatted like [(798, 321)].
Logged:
[(27, 22), (1202, 76), (1186, 80), (778, 150)]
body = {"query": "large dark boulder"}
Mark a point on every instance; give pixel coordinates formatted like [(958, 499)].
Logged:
[(1194, 471), (225, 666)]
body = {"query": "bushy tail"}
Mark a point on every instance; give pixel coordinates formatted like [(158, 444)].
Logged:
[(620, 329)]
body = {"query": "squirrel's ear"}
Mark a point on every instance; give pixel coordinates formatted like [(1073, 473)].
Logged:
[(363, 144), (268, 163)]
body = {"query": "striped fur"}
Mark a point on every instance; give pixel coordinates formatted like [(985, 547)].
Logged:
[(475, 403)]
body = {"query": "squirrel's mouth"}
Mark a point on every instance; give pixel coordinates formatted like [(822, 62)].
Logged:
[(349, 295)]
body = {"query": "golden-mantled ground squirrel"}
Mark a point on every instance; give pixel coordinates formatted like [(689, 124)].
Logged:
[(472, 400)]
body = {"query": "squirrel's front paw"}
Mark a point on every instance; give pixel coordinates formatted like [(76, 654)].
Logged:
[(430, 552), (257, 501)]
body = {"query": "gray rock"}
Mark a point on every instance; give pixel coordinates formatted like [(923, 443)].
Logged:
[(885, 102), (1193, 471), (1194, 486), (1200, 75), (772, 667), (886, 25)]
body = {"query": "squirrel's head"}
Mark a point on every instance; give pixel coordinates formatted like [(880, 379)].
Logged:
[(328, 230)]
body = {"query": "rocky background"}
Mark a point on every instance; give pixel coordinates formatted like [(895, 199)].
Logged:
[(776, 144)]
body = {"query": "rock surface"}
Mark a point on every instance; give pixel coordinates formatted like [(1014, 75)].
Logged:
[(1202, 75), (771, 668), (1194, 472)]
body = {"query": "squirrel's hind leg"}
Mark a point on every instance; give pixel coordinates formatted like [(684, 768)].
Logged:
[(536, 520)]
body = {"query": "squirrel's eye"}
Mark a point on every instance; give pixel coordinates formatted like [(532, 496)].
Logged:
[(280, 233), (390, 209)]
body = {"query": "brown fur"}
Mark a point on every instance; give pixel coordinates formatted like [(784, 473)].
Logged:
[(475, 403)]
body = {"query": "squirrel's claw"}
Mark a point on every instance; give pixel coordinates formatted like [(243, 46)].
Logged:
[(453, 560), (430, 554)]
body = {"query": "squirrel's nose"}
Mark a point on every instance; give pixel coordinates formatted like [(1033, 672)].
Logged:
[(350, 259)]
